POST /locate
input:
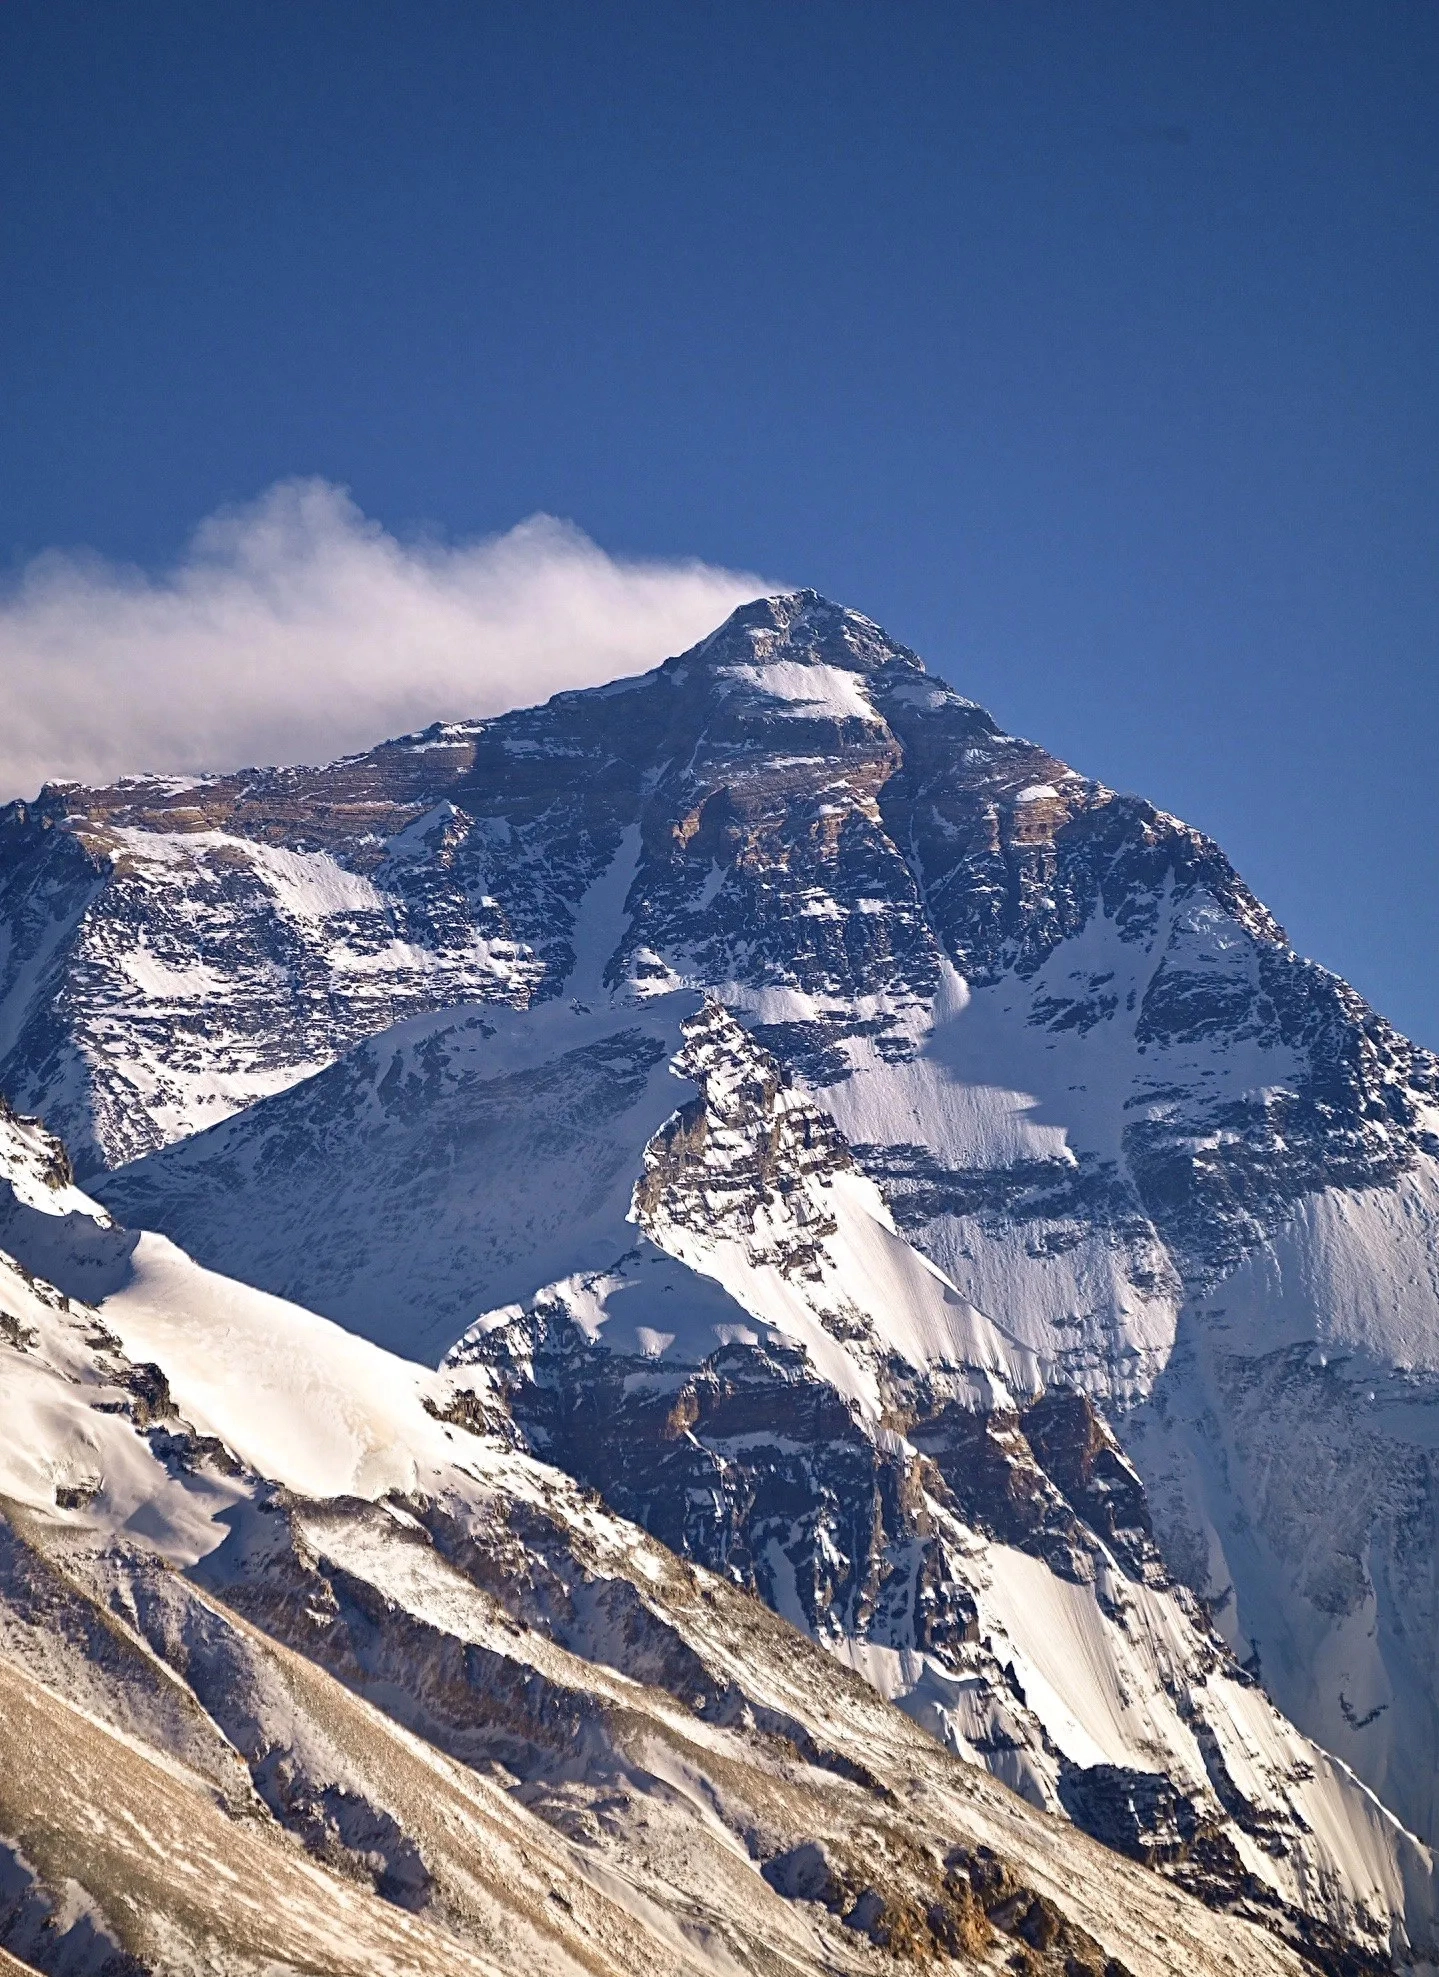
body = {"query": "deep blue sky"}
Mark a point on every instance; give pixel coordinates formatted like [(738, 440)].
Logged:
[(1091, 348)]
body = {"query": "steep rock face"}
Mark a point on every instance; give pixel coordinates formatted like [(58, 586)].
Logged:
[(797, 816), (1172, 1163), (163, 970)]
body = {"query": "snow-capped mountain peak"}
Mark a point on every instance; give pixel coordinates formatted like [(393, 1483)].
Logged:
[(908, 1178)]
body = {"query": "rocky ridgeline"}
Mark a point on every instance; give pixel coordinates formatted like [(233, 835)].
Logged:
[(742, 1160)]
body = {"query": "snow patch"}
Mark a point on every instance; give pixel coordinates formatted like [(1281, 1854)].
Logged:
[(808, 692)]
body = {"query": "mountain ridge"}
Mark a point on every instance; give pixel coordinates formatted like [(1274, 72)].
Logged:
[(447, 1711)]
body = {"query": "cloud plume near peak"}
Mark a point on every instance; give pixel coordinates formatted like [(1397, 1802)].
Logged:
[(295, 629)]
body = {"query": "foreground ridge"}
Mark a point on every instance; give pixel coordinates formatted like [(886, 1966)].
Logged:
[(302, 1664)]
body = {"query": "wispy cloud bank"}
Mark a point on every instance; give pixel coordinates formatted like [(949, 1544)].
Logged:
[(295, 629)]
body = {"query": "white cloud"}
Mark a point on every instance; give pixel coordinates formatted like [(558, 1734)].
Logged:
[(295, 629)]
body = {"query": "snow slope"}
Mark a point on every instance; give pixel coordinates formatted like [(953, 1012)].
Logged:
[(441, 1709), (753, 1244), (449, 1165)]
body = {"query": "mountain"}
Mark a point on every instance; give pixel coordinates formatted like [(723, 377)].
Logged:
[(304, 1665), (914, 1183)]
